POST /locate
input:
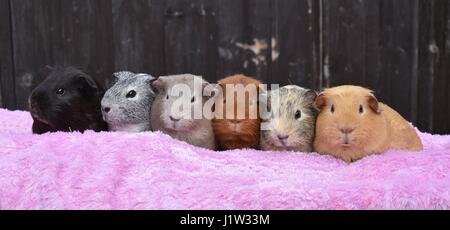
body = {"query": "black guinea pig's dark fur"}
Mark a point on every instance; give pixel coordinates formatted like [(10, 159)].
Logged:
[(67, 100)]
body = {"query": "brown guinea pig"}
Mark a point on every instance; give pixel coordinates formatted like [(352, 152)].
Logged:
[(230, 131), (352, 124)]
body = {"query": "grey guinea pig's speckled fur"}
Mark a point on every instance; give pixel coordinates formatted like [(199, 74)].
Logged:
[(124, 110), (197, 132), (288, 132)]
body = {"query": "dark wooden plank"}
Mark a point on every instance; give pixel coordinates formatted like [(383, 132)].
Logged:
[(190, 34), (344, 42), (139, 35), (69, 32), (7, 94), (258, 31), (176, 34), (36, 42), (244, 38), (447, 53), (435, 73), (373, 78), (353, 42), (442, 105), (203, 39), (230, 17), (373, 44), (426, 69), (296, 53), (87, 37), (397, 53)]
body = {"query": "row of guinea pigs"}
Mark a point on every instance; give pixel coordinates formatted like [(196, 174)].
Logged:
[(347, 122)]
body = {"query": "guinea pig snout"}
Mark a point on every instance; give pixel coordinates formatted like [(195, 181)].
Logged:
[(346, 130), (283, 137), (33, 103), (345, 137)]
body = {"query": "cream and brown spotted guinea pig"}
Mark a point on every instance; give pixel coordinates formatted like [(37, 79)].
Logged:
[(352, 124), (230, 131), (293, 127), (169, 117)]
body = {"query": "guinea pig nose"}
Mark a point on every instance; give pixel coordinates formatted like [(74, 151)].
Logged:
[(33, 104), (173, 119), (347, 130), (283, 137), (106, 109)]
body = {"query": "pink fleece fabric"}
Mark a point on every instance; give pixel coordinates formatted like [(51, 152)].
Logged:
[(153, 171)]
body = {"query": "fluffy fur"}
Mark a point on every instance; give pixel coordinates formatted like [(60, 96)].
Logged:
[(232, 133), (353, 124), (294, 128), (126, 105), (154, 171), (67, 100), (197, 132)]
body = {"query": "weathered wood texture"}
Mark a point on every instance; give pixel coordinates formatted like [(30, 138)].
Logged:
[(399, 48), (434, 66), (76, 32), (7, 93)]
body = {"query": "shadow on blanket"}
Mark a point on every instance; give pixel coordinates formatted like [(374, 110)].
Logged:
[(154, 171)]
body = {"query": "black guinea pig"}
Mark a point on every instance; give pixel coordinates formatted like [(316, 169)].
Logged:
[(67, 100)]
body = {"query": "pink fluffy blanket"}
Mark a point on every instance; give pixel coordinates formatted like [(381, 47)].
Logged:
[(154, 171)]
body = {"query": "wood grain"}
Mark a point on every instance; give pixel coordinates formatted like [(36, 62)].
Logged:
[(398, 48)]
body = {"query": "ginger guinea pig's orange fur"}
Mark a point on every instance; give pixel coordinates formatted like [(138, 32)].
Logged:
[(232, 133), (353, 124)]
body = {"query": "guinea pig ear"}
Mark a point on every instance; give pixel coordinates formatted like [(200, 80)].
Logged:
[(115, 77), (311, 95), (373, 103), (158, 85), (320, 101), (44, 71), (119, 75), (210, 90), (87, 82), (148, 78), (264, 99)]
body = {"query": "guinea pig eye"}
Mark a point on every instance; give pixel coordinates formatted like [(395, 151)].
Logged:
[(332, 109), (167, 97), (193, 100), (60, 91), (298, 114), (131, 94), (361, 109)]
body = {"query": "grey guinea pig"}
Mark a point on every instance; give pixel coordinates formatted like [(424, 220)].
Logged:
[(198, 131), (126, 105), (294, 128)]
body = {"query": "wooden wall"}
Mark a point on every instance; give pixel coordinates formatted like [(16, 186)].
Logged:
[(399, 48)]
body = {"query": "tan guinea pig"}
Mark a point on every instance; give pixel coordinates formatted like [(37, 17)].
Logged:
[(294, 126), (352, 124), (231, 132)]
